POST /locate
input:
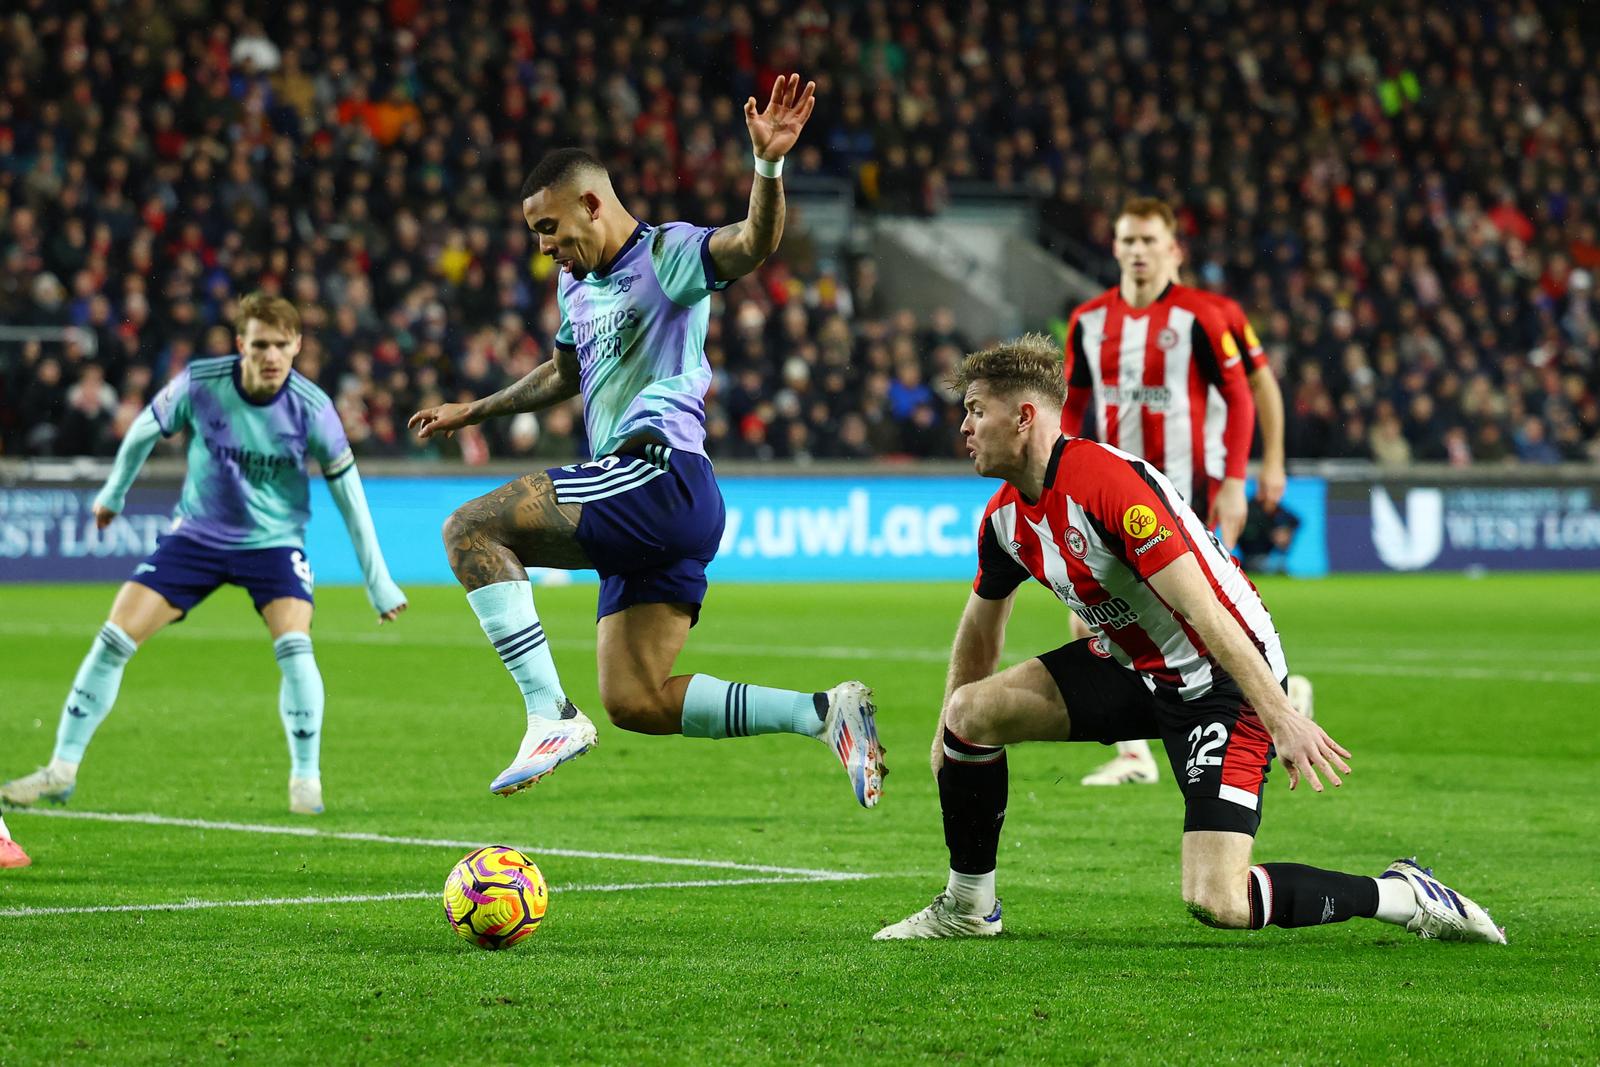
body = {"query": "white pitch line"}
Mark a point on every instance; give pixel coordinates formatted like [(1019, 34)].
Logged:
[(368, 898), (147, 819)]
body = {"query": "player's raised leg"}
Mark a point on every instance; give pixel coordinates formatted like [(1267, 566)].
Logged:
[(137, 614), (301, 698), (637, 649), (11, 854), (491, 542)]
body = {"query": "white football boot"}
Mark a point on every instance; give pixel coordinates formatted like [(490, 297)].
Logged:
[(1300, 695), (1125, 768), (851, 730), (942, 918), (1442, 912), (305, 796), (547, 745), (46, 783)]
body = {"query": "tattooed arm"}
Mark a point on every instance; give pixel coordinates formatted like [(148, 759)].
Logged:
[(739, 249), (547, 384)]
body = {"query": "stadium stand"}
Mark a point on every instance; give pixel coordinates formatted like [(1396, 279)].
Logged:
[(1403, 204)]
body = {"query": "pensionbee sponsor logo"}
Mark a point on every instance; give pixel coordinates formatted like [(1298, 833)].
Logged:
[(1139, 521), (1112, 614), (1160, 535)]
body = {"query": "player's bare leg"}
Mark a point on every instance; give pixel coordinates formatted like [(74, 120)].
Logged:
[(491, 542), (300, 699), (498, 536), (1216, 866), (635, 651), (1133, 764), (137, 614)]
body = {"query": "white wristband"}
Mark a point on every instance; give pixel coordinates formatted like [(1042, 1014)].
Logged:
[(768, 168)]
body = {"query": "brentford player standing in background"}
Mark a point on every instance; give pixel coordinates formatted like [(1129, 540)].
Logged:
[(1168, 370)]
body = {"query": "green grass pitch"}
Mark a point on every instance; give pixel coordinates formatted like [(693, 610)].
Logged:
[(1470, 707)]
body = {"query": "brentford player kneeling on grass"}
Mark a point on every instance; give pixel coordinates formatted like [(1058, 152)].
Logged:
[(1183, 649)]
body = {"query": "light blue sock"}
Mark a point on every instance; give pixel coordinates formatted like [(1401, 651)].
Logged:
[(714, 708), (94, 690), (300, 703), (505, 611)]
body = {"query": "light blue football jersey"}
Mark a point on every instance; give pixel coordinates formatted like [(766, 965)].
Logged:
[(639, 328), (246, 485)]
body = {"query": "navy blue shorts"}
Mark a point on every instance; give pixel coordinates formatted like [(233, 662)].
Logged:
[(652, 520), (185, 572)]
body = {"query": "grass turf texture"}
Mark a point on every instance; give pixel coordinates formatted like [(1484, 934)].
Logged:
[(1469, 706)]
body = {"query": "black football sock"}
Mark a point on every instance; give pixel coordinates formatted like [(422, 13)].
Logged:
[(972, 797), (1292, 894)]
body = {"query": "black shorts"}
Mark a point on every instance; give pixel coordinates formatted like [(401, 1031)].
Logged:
[(1219, 751)]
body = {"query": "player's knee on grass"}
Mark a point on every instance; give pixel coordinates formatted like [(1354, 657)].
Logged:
[(1219, 907)]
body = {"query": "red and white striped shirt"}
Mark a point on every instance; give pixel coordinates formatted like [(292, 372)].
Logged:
[(1104, 524), (1169, 382)]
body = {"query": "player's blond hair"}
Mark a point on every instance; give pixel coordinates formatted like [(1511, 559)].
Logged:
[(271, 311), (1030, 364), (1149, 207)]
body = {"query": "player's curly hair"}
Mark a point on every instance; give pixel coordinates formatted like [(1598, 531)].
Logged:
[(1030, 364), (271, 311)]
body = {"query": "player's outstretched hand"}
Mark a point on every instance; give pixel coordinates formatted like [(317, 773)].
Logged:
[(445, 419), (774, 131), (392, 614), (1305, 749), (103, 517)]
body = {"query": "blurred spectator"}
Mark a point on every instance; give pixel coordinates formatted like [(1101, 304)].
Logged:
[(1395, 193)]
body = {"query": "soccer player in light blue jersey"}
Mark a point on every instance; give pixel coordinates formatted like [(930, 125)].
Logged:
[(646, 513), (252, 421)]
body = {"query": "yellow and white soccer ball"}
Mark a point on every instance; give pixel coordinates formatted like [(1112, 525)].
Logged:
[(495, 897)]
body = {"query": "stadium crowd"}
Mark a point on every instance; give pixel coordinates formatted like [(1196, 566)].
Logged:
[(1402, 197)]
